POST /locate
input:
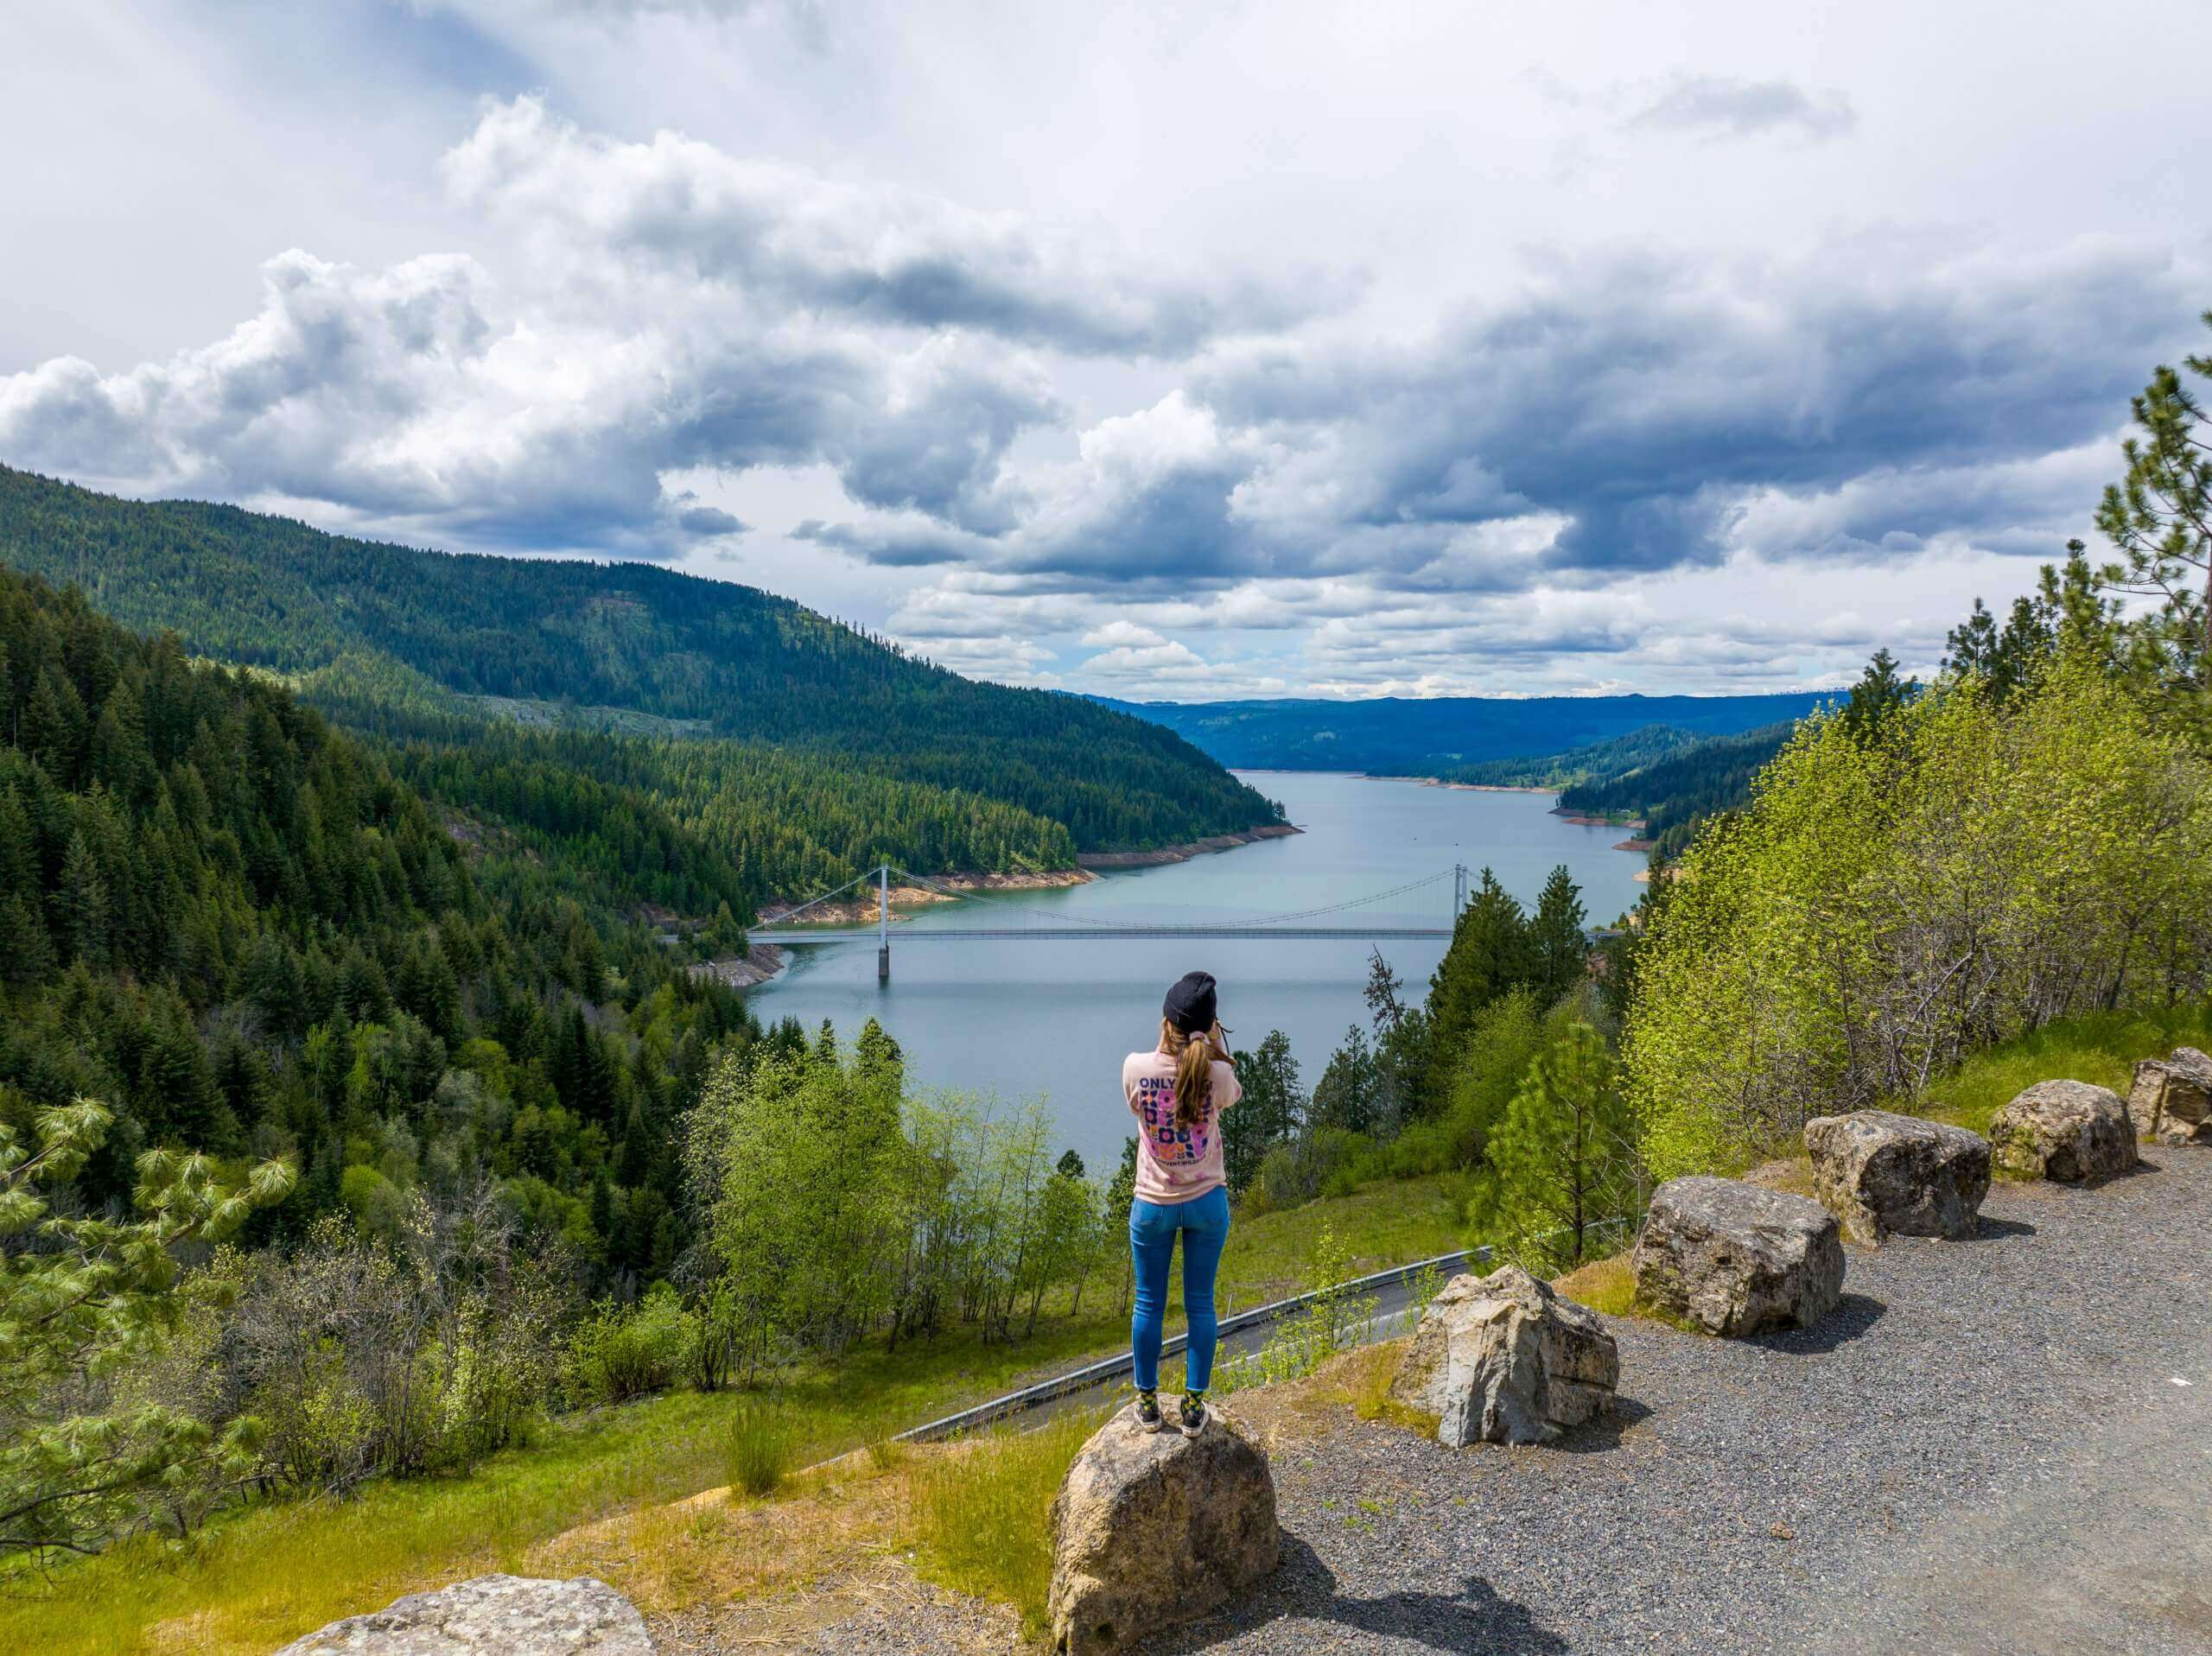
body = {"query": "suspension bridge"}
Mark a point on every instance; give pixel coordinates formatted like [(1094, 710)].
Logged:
[(1041, 925)]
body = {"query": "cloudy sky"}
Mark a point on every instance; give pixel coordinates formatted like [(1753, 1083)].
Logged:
[(1171, 351)]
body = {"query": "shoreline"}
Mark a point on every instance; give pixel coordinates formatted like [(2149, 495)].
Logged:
[(1174, 853), (861, 911)]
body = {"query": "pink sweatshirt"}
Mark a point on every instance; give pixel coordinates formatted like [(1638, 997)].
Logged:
[(1175, 1163)]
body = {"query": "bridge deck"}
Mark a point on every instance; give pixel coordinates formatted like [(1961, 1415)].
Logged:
[(1095, 933)]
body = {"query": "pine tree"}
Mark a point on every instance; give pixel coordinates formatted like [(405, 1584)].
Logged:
[(2159, 518), (1490, 956), (1267, 1114), (1555, 935), (1344, 1097), (1563, 1159), (1878, 695), (83, 909)]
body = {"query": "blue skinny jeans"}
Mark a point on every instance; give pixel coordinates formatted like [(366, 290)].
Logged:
[(1203, 1221)]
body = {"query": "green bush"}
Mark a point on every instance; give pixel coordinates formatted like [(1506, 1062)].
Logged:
[(1325, 1160), (619, 1354)]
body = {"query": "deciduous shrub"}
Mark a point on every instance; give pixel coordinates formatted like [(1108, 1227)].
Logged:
[(1904, 892), (622, 1352)]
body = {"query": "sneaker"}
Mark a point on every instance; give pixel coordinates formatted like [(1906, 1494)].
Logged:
[(1149, 1418), (1192, 1416)]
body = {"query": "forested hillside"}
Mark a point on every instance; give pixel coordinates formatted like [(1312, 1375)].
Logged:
[(1595, 762), (623, 645), (1433, 736), (1672, 794), (239, 929)]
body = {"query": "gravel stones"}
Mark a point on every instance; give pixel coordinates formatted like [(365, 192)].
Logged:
[(1502, 1359), (1882, 1174), (1735, 1259), (1152, 1529), (491, 1615), (2068, 1131), (2170, 1099)]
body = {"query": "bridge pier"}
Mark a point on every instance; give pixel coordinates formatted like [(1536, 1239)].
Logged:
[(883, 924)]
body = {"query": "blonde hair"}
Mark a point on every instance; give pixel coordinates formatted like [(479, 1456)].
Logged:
[(1193, 1056)]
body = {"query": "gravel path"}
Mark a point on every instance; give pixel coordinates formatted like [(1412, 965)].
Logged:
[(2001, 1445), (1984, 1448)]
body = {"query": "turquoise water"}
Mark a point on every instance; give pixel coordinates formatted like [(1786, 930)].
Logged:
[(1054, 1019)]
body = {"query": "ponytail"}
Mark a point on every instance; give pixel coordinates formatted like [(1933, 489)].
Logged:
[(1193, 1056)]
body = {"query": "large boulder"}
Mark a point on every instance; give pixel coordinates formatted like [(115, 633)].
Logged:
[(1883, 1174), (491, 1615), (2171, 1098), (2064, 1130), (1154, 1528), (1734, 1258), (1502, 1359)]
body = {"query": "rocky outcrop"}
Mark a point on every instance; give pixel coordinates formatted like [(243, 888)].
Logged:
[(2170, 1099), (2064, 1130), (1734, 1258), (1154, 1528), (1882, 1174), (1502, 1359), (491, 1615)]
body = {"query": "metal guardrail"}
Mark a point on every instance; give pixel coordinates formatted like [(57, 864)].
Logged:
[(1082, 1380)]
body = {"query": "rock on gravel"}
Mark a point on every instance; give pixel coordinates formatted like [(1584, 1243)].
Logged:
[(1981, 1449), (2171, 1098), (2068, 1131), (491, 1615), (1883, 1175), (1153, 1529), (1735, 1259), (1502, 1359)]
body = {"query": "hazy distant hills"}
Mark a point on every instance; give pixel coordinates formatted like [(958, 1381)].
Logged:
[(1446, 735)]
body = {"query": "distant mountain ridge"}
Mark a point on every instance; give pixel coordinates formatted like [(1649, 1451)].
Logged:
[(1446, 735)]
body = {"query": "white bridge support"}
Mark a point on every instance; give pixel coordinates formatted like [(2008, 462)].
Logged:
[(883, 924)]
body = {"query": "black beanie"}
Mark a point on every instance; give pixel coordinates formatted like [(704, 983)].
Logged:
[(1189, 1002)]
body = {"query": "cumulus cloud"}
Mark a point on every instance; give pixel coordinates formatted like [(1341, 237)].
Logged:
[(795, 237), (1720, 107), (1051, 462)]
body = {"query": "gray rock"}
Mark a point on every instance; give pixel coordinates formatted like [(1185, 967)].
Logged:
[(2171, 1098), (1502, 1359), (1734, 1258), (1883, 1174), (491, 1615), (1151, 1529), (2064, 1130)]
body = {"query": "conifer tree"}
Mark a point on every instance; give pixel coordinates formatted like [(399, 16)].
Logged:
[(2159, 518), (1555, 935)]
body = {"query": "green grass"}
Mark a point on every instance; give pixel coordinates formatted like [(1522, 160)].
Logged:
[(757, 1450), (260, 1576), (982, 1519), (2101, 1048)]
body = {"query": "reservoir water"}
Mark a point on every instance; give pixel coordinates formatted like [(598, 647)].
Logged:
[(1054, 1019)]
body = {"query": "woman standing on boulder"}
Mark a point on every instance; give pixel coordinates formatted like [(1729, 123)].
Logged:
[(1178, 1091)]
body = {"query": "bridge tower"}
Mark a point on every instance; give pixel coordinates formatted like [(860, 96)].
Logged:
[(883, 924), (1458, 890)]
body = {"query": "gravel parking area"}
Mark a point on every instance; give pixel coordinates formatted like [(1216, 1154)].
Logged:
[(2000, 1444)]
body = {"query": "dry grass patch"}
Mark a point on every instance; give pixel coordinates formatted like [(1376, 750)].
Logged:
[(1791, 1175), (720, 1546), (1607, 1285)]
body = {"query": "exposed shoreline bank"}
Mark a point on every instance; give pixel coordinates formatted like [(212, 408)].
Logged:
[(859, 910), (1173, 854)]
